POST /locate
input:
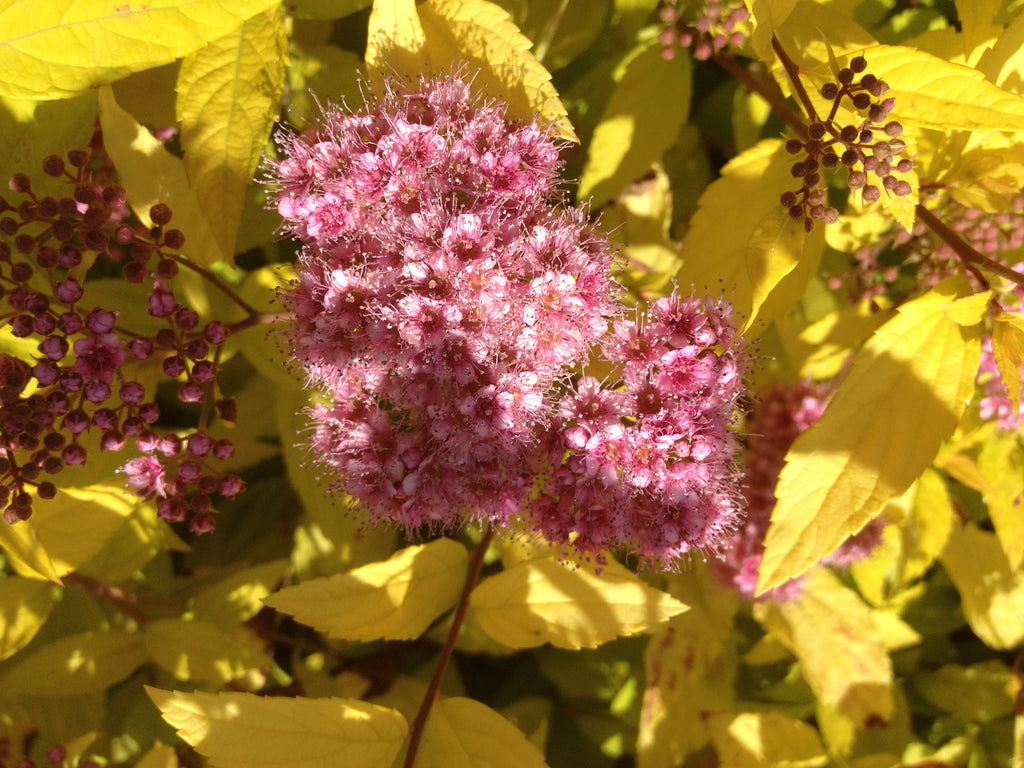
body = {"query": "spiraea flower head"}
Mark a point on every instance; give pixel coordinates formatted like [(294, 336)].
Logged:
[(445, 299)]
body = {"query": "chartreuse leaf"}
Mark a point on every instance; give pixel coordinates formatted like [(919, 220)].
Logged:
[(72, 527), (226, 116), (1008, 350), (152, 175), (1001, 463), (207, 651), (978, 693), (830, 629), (689, 664), (926, 528), (52, 49), (991, 593), (641, 120), (497, 56), (24, 605), (903, 396), (268, 347), (396, 599), (395, 42), (463, 733), (85, 663), (21, 545), (160, 756), (756, 739), (240, 730), (239, 597), (135, 543), (545, 601)]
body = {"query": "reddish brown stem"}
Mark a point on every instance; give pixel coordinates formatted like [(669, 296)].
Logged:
[(793, 71), (964, 250), (416, 729), (790, 116)]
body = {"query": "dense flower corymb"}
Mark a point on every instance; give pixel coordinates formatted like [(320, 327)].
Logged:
[(445, 297)]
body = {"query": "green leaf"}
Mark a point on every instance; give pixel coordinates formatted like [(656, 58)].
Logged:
[(545, 601), (240, 730), (756, 739), (239, 597), (52, 49), (25, 605), (463, 733), (150, 175), (830, 629), (226, 116), (395, 42), (205, 651), (81, 664), (482, 36), (903, 396), (742, 241), (640, 122), (396, 599), (992, 594)]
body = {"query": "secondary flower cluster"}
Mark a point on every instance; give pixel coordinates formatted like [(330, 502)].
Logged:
[(445, 297), (86, 375), (703, 26), (867, 147), (781, 413)]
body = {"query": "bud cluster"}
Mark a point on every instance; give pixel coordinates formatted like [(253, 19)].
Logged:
[(866, 148), (781, 413), (84, 376), (703, 26), (445, 298)]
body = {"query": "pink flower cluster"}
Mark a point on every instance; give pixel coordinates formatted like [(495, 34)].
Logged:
[(782, 413), (445, 299)]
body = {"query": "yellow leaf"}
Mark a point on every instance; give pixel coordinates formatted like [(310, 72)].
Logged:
[(203, 650), (976, 20), (396, 600), (152, 175), (24, 605), (229, 93), (239, 597), (80, 664), (1008, 350), (72, 527), (641, 120), (240, 730), (545, 601), (979, 693), (992, 594), (742, 241), (497, 57), (756, 739), (20, 543), (395, 42), (903, 396), (830, 629), (1003, 63), (160, 756), (463, 733), (925, 531), (52, 49), (135, 543), (267, 347), (1001, 463)]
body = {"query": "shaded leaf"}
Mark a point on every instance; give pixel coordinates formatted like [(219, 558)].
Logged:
[(240, 730), (395, 42), (239, 597), (544, 601), (203, 650), (755, 739), (226, 117), (24, 606), (903, 396), (979, 693), (396, 599), (640, 122), (85, 663), (52, 49), (927, 528), (992, 594), (497, 56), (463, 733)]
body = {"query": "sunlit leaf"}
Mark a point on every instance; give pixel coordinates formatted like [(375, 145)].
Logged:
[(829, 628), (742, 241), (395, 44), (24, 606), (641, 120), (927, 527), (1001, 463), (902, 397), (52, 49), (239, 597), (79, 664), (397, 599), (756, 739), (497, 56), (152, 175), (545, 601), (203, 650), (226, 118), (1008, 350), (991, 592), (463, 733), (240, 730)]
